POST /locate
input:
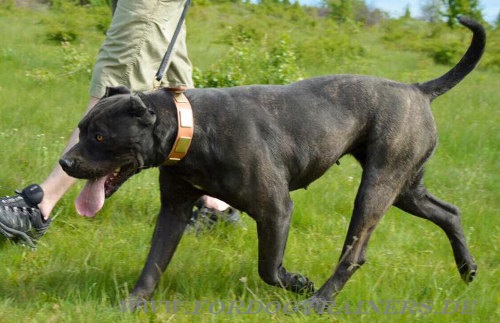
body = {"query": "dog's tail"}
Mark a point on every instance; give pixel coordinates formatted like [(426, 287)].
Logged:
[(444, 83)]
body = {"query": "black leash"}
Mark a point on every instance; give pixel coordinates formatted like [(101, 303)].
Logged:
[(166, 57)]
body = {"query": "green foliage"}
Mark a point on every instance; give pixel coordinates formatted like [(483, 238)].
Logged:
[(491, 59), (443, 44), (56, 4), (8, 4), (252, 61), (455, 8), (357, 11), (432, 10), (74, 62), (101, 18), (407, 34), (254, 53), (257, 53), (345, 10), (332, 44), (73, 20), (61, 33), (342, 10), (446, 53)]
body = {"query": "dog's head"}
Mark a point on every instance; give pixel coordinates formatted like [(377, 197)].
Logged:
[(116, 141)]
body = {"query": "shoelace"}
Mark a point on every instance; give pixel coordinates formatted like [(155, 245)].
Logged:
[(11, 199), (7, 202), (26, 211)]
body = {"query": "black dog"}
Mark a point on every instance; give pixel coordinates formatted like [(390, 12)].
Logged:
[(254, 144)]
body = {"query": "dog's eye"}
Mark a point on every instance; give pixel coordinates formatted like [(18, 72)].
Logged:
[(99, 138)]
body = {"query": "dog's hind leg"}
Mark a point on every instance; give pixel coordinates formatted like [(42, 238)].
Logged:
[(380, 185), (273, 220), (417, 201)]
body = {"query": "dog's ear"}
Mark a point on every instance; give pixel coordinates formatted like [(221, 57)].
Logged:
[(114, 90), (141, 111)]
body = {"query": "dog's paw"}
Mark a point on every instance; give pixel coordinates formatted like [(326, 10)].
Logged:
[(317, 304), (134, 303), (300, 284), (468, 272)]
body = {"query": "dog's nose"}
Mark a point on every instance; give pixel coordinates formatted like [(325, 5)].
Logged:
[(66, 163)]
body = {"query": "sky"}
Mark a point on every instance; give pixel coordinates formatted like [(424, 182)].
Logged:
[(396, 8)]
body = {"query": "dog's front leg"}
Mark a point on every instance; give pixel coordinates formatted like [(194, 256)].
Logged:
[(166, 237), (273, 223), (177, 199)]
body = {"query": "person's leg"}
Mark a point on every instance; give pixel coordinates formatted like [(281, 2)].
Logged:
[(25, 217), (213, 203), (58, 182)]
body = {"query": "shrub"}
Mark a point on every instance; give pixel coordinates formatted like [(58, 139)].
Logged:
[(75, 62), (443, 44), (332, 44), (407, 34), (445, 53), (71, 21), (491, 59), (251, 61)]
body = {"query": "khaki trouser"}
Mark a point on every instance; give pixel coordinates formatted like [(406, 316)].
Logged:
[(134, 46)]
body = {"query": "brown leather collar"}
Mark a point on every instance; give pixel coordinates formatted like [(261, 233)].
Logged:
[(185, 129)]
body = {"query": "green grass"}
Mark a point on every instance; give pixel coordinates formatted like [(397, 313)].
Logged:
[(84, 267)]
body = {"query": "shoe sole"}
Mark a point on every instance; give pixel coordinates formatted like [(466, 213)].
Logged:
[(13, 233)]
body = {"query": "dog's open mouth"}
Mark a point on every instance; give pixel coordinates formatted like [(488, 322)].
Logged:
[(92, 196), (117, 178)]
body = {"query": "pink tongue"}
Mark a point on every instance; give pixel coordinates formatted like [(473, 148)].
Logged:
[(91, 198)]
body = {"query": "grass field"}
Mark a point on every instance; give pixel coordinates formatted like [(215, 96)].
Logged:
[(83, 268)]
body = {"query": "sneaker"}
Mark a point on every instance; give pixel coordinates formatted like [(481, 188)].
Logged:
[(205, 218), (20, 218)]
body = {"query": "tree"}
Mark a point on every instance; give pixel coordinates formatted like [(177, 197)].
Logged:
[(344, 10), (432, 10), (455, 8), (407, 14), (435, 10)]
